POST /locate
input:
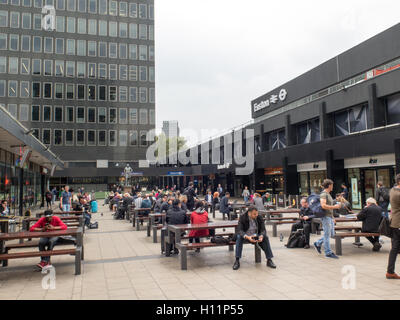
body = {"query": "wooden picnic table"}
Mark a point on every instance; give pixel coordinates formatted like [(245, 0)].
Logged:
[(136, 216), (62, 213), (78, 251), (151, 225), (66, 219)]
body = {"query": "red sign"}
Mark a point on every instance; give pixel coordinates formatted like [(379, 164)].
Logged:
[(273, 171)]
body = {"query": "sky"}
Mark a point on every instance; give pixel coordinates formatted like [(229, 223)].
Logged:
[(214, 56)]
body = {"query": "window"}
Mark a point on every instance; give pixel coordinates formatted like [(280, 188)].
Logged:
[(37, 44), (123, 116), (46, 113), (101, 138), (3, 41), (70, 46), (81, 91), (123, 30), (151, 53), (59, 66), (59, 91), (23, 112), (143, 11), (142, 31), (37, 22), (69, 114), (143, 139), (58, 113), (102, 71), (132, 73), (70, 24), (276, 140), (123, 138), (112, 138), (92, 48), (47, 90), (103, 49), (35, 113), (81, 69), (133, 138), (92, 70), (91, 92), (13, 109), (80, 115), (80, 137), (308, 132), (112, 116), (133, 10), (92, 27), (102, 115), (143, 53), (70, 91), (143, 116), (393, 109), (36, 66), (12, 88), (102, 93), (133, 116), (2, 88), (70, 68), (91, 116), (57, 137), (133, 51), (143, 73), (123, 9), (69, 137), (113, 8), (35, 89), (3, 18), (14, 19), (113, 93), (48, 45), (81, 48), (26, 3), (48, 67), (26, 21), (351, 120), (82, 5), (152, 116), (46, 138), (143, 95), (60, 46), (14, 42), (103, 28), (123, 72), (3, 64), (60, 4), (60, 23), (112, 28), (151, 12), (81, 25), (152, 95), (151, 32), (25, 66), (13, 65), (91, 137), (152, 76), (93, 6), (133, 30), (123, 94), (113, 71), (103, 7), (71, 5), (113, 50)]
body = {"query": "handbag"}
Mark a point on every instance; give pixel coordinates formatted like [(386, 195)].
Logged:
[(385, 229), (297, 239)]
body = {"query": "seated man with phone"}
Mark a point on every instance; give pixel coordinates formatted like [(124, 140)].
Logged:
[(251, 229)]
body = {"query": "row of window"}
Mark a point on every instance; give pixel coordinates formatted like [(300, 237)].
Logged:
[(103, 7), (80, 69), (48, 90), (76, 47), (79, 25), (80, 114), (81, 138)]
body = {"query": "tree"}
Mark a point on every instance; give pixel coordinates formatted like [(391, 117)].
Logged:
[(168, 146)]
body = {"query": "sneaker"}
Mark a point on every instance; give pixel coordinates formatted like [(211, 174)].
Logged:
[(332, 255), (236, 265), (317, 247), (377, 247), (307, 246), (41, 264)]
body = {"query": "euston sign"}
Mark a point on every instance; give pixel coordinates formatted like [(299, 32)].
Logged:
[(272, 100)]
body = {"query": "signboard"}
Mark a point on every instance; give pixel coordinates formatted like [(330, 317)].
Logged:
[(224, 166), (273, 99), (176, 173), (102, 163), (273, 171), (355, 195)]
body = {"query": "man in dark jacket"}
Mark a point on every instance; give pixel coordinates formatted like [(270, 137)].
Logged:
[(251, 229), (176, 215), (382, 196), (306, 216), (191, 195), (371, 217), (224, 205)]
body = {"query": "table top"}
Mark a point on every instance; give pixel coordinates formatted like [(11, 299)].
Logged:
[(346, 219), (291, 210), (211, 225), (164, 214), (39, 234), (63, 212), (62, 218)]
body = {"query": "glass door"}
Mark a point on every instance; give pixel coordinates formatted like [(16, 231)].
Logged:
[(370, 183)]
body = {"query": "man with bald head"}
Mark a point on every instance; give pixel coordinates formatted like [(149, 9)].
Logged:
[(306, 216)]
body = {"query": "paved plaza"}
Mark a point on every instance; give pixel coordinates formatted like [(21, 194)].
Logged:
[(121, 263)]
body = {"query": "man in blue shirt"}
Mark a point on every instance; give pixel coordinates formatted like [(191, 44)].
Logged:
[(66, 199)]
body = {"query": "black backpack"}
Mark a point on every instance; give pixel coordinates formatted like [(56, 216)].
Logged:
[(384, 194), (297, 239)]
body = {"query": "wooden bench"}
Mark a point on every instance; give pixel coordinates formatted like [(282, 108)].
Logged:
[(137, 218), (77, 251), (279, 221), (154, 226), (64, 213), (341, 235)]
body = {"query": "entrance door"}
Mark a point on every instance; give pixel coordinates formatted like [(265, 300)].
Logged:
[(370, 183)]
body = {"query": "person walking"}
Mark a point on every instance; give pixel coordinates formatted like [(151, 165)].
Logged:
[(246, 194), (49, 197), (66, 199), (327, 221), (382, 196), (395, 224)]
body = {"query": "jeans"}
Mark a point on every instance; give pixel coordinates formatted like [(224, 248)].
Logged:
[(385, 214), (265, 246), (329, 231), (66, 207), (87, 219), (394, 251), (53, 199), (245, 198), (47, 244)]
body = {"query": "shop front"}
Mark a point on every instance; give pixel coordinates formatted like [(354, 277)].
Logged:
[(274, 180), (311, 176)]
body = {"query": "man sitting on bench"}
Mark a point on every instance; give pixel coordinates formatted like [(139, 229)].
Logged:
[(371, 217), (47, 223), (306, 216), (252, 229)]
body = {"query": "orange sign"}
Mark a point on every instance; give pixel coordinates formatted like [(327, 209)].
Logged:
[(273, 171)]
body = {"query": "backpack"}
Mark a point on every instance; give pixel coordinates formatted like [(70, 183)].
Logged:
[(221, 240), (94, 225), (297, 239), (384, 194), (314, 202), (188, 194)]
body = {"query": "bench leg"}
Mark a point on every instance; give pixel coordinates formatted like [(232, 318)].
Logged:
[(5, 262), (137, 224), (148, 228), (154, 234), (257, 254), (78, 261), (274, 230), (231, 247), (358, 239), (183, 258), (338, 246), (133, 221)]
